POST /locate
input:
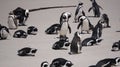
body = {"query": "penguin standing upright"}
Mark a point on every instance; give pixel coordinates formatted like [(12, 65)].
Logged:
[(76, 45), (95, 8), (85, 24), (79, 12), (64, 24), (105, 21), (12, 21), (4, 31)]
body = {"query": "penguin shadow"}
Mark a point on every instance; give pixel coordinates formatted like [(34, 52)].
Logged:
[(63, 49), (28, 55), (70, 53), (118, 31), (92, 17)]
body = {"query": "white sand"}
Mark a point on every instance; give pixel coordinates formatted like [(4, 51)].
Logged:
[(42, 20)]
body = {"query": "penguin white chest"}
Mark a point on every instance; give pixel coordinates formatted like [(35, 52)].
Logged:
[(64, 28), (85, 25)]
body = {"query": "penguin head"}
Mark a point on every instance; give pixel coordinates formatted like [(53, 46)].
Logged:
[(68, 64), (32, 30), (115, 46), (77, 34), (45, 64), (66, 16), (117, 60), (80, 4)]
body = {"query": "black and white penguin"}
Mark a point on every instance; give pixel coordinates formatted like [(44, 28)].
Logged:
[(64, 24), (4, 32), (32, 30), (85, 24), (21, 14), (95, 7), (27, 51), (108, 62), (45, 64), (61, 44), (12, 21), (61, 62), (95, 38), (76, 45), (53, 29), (105, 21), (116, 46), (79, 12), (20, 34)]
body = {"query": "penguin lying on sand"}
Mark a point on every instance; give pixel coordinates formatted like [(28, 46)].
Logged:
[(4, 32), (27, 51), (58, 62), (53, 29), (116, 46), (32, 30), (61, 62), (20, 34), (76, 45), (62, 43), (108, 62), (95, 38)]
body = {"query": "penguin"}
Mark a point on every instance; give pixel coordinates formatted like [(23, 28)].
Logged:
[(32, 30), (4, 32), (20, 34), (107, 62), (96, 35), (64, 24), (85, 24), (116, 46), (97, 31), (76, 45), (12, 21), (61, 44), (95, 7), (61, 62), (79, 12), (53, 29), (22, 15), (27, 51), (105, 21), (45, 64)]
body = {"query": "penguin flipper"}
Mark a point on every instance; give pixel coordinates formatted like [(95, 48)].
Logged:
[(83, 13), (100, 7), (69, 29), (90, 9), (79, 25)]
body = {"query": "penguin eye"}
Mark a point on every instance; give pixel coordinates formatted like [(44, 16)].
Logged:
[(69, 16), (64, 17)]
